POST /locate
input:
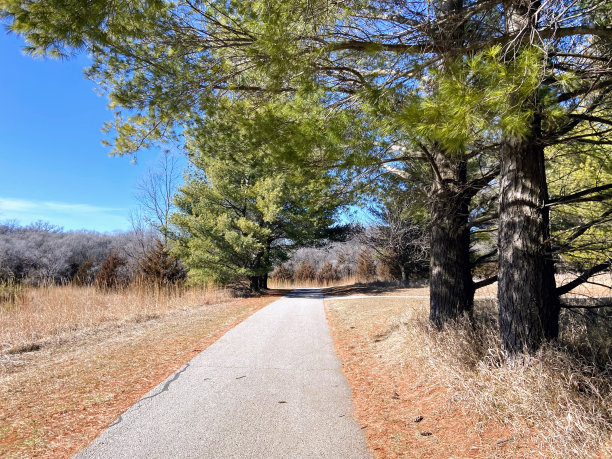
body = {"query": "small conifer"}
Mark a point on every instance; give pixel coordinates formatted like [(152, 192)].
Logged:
[(160, 268), (328, 273), (305, 272), (107, 277), (366, 266)]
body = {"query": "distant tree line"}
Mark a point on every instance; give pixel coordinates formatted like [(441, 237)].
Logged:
[(44, 253)]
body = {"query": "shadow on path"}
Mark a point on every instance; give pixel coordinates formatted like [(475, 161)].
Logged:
[(306, 293)]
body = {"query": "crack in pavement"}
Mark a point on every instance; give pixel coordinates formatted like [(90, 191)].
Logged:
[(167, 385), (164, 389), (119, 419)]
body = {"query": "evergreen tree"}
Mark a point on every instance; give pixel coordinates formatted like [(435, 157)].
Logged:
[(108, 276), (160, 268), (242, 207), (366, 266), (545, 73)]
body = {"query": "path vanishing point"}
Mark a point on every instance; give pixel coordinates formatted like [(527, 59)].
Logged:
[(272, 387)]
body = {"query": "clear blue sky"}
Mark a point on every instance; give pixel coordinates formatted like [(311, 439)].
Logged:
[(53, 166)]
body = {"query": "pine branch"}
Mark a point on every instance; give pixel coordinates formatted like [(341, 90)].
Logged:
[(484, 282), (580, 230), (576, 196), (482, 219), (482, 258), (591, 118), (584, 277), (478, 184), (396, 171)]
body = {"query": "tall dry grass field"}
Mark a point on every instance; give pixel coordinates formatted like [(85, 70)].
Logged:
[(281, 284), (40, 314)]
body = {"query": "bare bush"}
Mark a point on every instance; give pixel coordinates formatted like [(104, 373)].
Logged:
[(42, 253)]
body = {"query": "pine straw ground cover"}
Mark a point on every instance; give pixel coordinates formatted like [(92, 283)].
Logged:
[(473, 403), (58, 398)]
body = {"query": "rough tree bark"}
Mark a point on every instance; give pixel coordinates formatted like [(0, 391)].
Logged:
[(528, 304), (451, 286)]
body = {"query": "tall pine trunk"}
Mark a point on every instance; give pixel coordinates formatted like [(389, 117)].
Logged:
[(451, 289), (450, 286), (528, 304)]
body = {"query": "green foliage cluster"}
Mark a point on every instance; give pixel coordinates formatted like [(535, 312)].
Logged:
[(255, 189)]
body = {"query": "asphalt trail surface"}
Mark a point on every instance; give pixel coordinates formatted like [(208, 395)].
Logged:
[(272, 387)]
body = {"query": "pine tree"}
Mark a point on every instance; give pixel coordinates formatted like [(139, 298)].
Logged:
[(397, 65), (160, 268), (366, 266), (107, 277), (243, 206)]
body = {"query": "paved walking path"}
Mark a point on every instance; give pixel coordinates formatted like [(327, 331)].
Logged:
[(272, 387)]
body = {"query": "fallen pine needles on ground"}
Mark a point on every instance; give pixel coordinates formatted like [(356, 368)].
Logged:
[(475, 402)]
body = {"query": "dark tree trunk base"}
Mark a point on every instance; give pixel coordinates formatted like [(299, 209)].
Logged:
[(451, 287), (258, 283)]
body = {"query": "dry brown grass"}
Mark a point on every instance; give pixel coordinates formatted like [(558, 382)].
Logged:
[(475, 402), (50, 312), (58, 398), (282, 284)]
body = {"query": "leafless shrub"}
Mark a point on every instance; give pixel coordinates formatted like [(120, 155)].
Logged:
[(42, 253)]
